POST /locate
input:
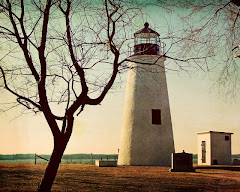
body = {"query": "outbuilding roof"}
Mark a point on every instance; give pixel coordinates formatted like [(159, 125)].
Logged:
[(204, 132)]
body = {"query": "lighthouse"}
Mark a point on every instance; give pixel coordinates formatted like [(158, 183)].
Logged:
[(147, 136)]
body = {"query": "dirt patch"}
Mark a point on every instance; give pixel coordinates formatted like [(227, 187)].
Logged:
[(25, 177)]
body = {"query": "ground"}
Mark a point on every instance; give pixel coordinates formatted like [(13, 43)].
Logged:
[(76, 177)]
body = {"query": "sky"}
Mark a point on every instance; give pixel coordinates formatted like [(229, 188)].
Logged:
[(98, 129), (194, 106)]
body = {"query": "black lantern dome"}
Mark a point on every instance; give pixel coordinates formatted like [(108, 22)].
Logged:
[(146, 41)]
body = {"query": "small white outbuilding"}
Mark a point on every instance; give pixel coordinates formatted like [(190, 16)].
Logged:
[(214, 148)]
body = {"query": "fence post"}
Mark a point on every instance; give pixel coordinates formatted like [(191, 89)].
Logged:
[(92, 158), (35, 158)]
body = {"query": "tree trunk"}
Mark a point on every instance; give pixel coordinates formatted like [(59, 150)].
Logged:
[(52, 168)]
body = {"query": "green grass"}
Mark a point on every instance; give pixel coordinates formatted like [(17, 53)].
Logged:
[(69, 158), (64, 161)]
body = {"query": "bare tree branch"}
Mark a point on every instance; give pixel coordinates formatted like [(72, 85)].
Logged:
[(20, 97)]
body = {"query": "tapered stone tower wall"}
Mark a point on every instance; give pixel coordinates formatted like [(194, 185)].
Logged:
[(147, 136)]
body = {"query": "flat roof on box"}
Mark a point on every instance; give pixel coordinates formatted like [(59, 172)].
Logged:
[(213, 132)]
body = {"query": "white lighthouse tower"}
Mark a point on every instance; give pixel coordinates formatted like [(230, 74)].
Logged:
[(147, 136)]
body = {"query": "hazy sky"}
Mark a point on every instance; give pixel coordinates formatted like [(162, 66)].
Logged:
[(98, 128)]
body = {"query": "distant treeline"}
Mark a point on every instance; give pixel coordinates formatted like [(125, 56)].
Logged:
[(237, 156), (70, 156), (77, 156)]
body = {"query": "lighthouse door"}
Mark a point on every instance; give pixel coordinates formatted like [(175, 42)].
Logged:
[(203, 151)]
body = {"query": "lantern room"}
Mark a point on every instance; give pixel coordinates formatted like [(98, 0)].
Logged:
[(146, 42)]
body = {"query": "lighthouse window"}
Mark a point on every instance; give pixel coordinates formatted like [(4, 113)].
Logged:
[(156, 116)]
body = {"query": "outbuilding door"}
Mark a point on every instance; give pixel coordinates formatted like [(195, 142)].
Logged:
[(203, 151)]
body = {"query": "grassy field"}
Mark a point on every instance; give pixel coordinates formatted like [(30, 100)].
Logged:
[(40, 161), (75, 177), (70, 158), (66, 159)]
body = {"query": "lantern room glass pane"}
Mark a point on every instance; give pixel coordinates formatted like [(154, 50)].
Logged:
[(141, 40)]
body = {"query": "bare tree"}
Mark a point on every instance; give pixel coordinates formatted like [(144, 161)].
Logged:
[(59, 56), (210, 32)]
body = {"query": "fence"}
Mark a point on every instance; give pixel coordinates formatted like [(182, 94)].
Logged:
[(37, 156), (78, 158)]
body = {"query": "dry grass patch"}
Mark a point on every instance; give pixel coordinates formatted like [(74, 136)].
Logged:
[(25, 177)]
